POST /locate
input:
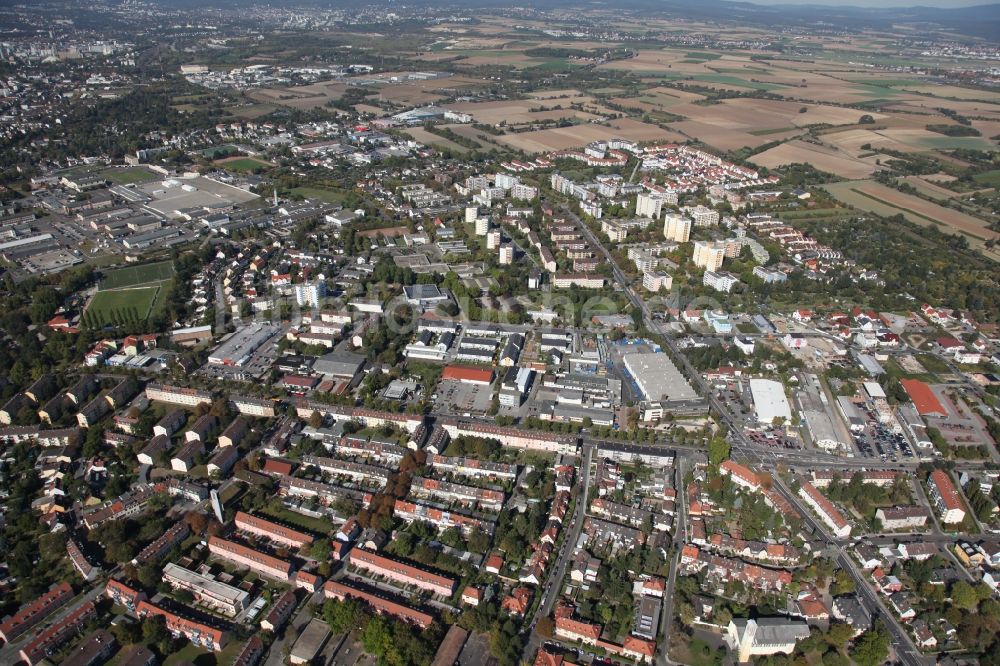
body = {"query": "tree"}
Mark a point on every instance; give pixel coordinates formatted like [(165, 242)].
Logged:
[(154, 629), (834, 658), (320, 549), (842, 583), (839, 634), (376, 636), (196, 521), (872, 648), (52, 546), (347, 615), (478, 541), (718, 451), (149, 575), (315, 419), (964, 596), (545, 627)]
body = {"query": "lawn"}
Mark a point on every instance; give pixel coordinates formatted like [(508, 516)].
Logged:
[(132, 276), (121, 304), (294, 519), (323, 194), (129, 176), (896, 370), (933, 363), (201, 657)]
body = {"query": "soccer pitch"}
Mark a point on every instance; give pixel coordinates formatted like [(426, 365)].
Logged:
[(131, 276), (122, 305)]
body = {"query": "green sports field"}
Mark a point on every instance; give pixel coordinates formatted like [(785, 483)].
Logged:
[(132, 276), (129, 176), (243, 164), (122, 305)]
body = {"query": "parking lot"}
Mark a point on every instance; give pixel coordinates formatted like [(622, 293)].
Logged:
[(878, 441), (463, 397), (773, 437)]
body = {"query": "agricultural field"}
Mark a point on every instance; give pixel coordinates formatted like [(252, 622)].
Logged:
[(564, 138), (886, 201), (823, 158), (527, 111), (929, 189), (143, 274)]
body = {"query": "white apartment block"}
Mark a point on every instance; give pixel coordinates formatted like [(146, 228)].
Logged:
[(677, 228), (614, 231), (506, 181), (709, 255), (644, 261), (769, 275), (656, 280), (648, 205), (206, 590), (522, 192), (722, 281), (702, 216), (177, 395), (582, 280), (493, 240), (310, 293), (592, 209)]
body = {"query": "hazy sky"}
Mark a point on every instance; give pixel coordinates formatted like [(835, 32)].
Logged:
[(877, 3)]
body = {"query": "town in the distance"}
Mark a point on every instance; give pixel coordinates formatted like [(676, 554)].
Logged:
[(489, 335)]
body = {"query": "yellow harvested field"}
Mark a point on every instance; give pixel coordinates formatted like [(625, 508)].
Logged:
[(852, 140), (761, 114), (988, 128), (821, 157), (655, 61), (553, 94), (928, 188), (723, 138), (368, 108), (815, 114), (563, 138), (516, 112)]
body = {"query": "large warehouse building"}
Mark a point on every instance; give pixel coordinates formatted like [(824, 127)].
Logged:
[(657, 378), (769, 401)]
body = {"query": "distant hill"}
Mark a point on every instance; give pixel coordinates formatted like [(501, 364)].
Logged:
[(981, 21)]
